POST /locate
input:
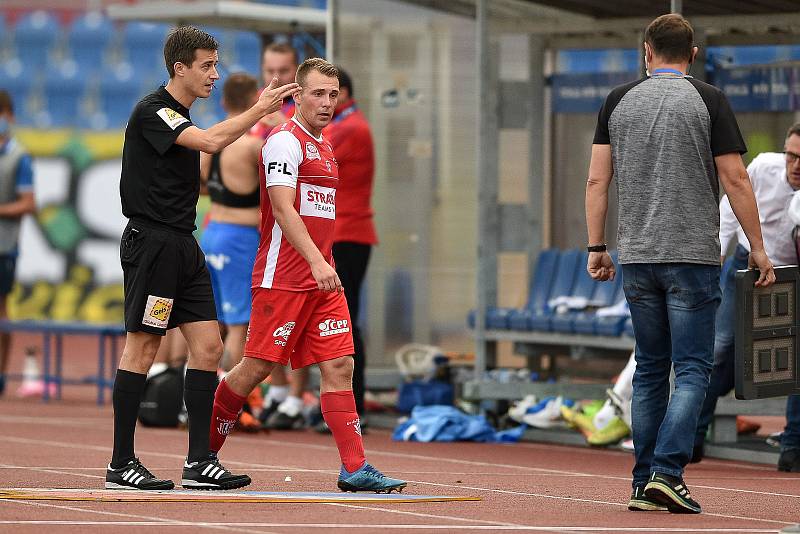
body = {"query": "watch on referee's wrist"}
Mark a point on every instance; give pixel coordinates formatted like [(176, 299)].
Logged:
[(597, 248)]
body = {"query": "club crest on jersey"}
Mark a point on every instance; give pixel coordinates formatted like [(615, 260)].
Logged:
[(284, 331), (312, 152)]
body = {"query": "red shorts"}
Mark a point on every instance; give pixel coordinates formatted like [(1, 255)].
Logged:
[(304, 327)]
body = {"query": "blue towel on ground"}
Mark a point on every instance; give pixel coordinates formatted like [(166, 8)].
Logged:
[(446, 423)]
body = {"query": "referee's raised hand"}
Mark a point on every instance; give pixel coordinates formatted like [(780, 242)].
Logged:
[(272, 96)]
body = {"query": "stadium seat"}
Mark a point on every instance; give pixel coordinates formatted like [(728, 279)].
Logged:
[(89, 37), (118, 93), (64, 88), (34, 35), (19, 82), (606, 294), (247, 46), (499, 318), (562, 283), (584, 288), (143, 43)]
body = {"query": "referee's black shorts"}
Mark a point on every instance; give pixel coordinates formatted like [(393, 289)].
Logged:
[(166, 279)]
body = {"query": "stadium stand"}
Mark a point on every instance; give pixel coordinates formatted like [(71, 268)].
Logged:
[(34, 36), (89, 37)]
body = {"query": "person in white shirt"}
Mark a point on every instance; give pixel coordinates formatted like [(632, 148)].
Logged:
[(775, 177)]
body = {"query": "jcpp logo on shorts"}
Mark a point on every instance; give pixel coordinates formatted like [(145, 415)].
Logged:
[(330, 327)]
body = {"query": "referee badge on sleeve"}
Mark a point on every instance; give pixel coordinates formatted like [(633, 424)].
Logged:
[(171, 117), (156, 311)]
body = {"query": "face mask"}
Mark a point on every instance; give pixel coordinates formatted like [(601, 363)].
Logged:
[(5, 127)]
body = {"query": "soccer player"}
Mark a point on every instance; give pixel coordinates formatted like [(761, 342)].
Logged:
[(165, 276), (278, 61), (299, 309), (16, 199)]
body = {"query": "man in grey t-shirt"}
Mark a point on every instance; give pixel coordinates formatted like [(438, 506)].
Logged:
[(669, 139)]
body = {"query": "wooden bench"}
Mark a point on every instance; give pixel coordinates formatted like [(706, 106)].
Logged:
[(53, 333)]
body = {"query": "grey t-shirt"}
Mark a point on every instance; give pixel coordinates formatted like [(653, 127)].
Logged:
[(664, 132)]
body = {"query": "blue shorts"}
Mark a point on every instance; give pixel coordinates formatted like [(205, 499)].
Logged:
[(230, 251), (8, 266)]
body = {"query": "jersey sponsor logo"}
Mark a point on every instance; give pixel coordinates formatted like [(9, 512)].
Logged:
[(156, 311), (280, 167), (331, 327), (312, 152), (171, 117), (317, 201)]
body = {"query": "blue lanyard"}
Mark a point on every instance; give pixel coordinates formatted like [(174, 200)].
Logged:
[(346, 112), (668, 71)]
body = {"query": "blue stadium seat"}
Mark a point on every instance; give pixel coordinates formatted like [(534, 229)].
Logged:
[(247, 46), (606, 294), (562, 284), (584, 287), (119, 92), (64, 88), (89, 36), (34, 35), (144, 47), (19, 82)]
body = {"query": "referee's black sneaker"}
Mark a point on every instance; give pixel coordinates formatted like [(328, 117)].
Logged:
[(209, 474), (672, 492), (640, 502), (135, 476)]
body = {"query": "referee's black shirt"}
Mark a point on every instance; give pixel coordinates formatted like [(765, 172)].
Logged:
[(160, 181)]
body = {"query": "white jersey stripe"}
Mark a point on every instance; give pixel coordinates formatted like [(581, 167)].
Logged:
[(272, 255)]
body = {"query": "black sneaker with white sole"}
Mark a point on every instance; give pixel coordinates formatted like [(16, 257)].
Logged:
[(209, 474), (639, 502), (135, 476), (672, 492)]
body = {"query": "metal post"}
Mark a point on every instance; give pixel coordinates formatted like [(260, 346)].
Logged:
[(331, 29), (536, 149), (676, 6), (488, 222)]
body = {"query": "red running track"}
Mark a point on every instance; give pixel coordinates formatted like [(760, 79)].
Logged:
[(534, 487)]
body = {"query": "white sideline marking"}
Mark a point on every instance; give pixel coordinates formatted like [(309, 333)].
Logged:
[(385, 526), (151, 519), (429, 458)]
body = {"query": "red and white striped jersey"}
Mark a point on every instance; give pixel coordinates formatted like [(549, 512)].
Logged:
[(293, 157)]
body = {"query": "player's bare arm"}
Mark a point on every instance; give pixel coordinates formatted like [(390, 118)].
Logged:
[(23, 205), (736, 182), (601, 171), (224, 133), (282, 201), (205, 171)]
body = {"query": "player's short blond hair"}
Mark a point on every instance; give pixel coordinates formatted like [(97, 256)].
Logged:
[(315, 64)]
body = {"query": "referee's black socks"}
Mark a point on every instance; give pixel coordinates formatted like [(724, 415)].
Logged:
[(128, 389), (198, 394)]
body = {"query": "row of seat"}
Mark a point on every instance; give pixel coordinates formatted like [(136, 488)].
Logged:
[(562, 274)]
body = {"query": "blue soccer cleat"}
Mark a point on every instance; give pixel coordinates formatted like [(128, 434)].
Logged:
[(367, 478)]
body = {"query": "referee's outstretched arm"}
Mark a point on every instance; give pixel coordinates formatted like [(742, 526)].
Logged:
[(226, 132)]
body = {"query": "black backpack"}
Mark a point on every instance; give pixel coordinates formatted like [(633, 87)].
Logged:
[(162, 399)]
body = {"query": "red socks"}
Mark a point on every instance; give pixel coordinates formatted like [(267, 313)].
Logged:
[(339, 411), (227, 406)]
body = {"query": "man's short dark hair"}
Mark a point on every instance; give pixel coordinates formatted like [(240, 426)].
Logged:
[(344, 81), (671, 37), (794, 129), (283, 48), (238, 91), (6, 103), (181, 44)]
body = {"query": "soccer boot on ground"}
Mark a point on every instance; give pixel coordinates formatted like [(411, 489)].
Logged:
[(640, 502), (612, 433), (582, 422), (367, 478), (672, 492), (789, 461), (209, 474), (280, 420), (135, 476)]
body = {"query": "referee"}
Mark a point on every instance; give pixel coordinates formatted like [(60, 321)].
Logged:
[(166, 280), (669, 140)]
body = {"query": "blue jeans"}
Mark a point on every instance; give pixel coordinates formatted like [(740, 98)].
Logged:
[(723, 374), (791, 434), (673, 306)]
